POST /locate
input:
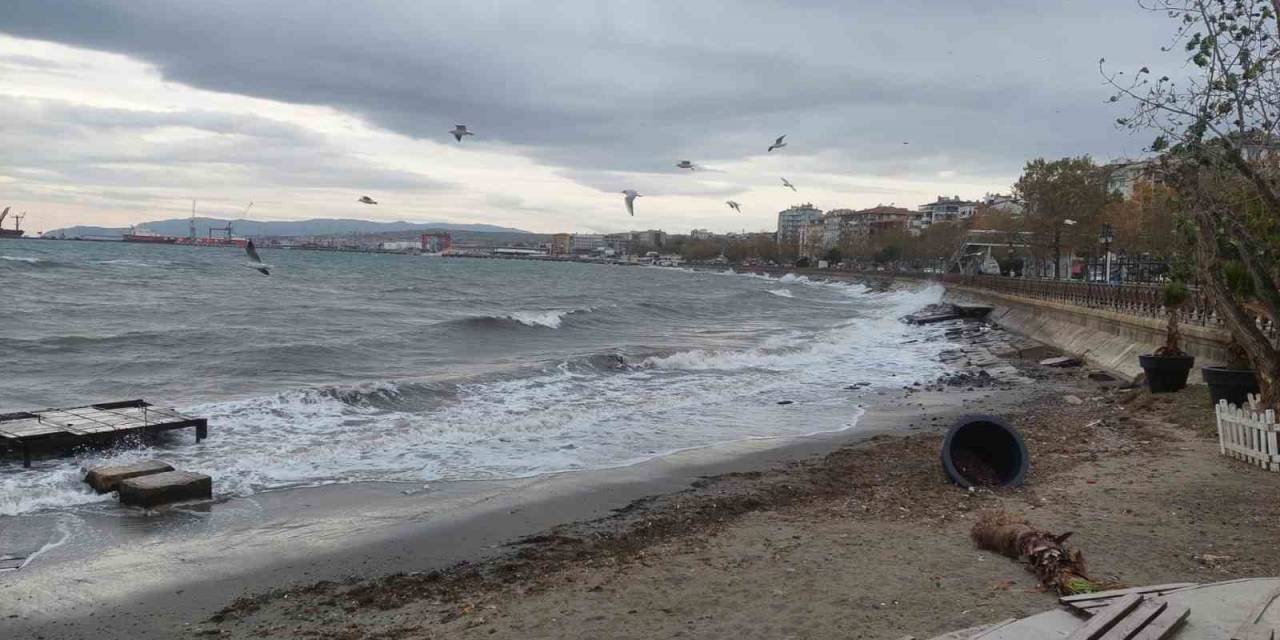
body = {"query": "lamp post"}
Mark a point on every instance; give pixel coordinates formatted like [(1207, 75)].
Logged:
[(1106, 237)]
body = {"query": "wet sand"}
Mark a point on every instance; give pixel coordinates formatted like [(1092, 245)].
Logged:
[(868, 541), (152, 576)]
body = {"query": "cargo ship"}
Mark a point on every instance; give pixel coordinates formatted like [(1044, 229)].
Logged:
[(146, 236), (16, 231)]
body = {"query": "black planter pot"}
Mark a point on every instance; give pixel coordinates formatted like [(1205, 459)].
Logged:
[(1166, 374), (983, 450), (1232, 385)]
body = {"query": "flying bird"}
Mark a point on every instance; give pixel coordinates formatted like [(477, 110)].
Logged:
[(255, 262), (778, 144), (685, 164), (734, 205), (367, 200), (631, 199), (788, 184), (459, 131)]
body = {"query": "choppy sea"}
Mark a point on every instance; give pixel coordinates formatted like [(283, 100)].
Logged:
[(343, 367)]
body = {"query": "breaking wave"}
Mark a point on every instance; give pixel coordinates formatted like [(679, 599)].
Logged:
[(543, 319)]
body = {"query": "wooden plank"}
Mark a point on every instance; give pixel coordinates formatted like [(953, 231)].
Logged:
[(1253, 632), (1136, 620), (1250, 629), (18, 429), (1124, 592), (1163, 626), (1106, 618)]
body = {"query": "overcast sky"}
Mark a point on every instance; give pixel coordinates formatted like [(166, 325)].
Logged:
[(114, 112)]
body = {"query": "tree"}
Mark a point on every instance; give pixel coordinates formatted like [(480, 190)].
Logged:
[(1146, 222), (1217, 128), (833, 256), (1064, 201)]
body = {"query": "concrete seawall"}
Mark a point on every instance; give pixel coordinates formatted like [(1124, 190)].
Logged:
[(1106, 339)]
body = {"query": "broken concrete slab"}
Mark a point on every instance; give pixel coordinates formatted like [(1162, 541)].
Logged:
[(1061, 361), (164, 488), (106, 479)]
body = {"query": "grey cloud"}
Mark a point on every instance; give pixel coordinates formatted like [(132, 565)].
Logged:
[(593, 86)]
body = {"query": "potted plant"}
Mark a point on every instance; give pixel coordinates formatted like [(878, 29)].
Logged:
[(1167, 369), (1232, 382), (1237, 379)]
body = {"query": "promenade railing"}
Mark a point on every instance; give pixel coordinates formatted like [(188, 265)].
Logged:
[(1137, 299)]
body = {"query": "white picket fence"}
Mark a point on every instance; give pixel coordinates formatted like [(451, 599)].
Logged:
[(1248, 435)]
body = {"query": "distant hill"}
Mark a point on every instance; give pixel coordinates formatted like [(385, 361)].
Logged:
[(258, 228)]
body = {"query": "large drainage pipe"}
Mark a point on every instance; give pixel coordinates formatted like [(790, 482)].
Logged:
[(984, 451)]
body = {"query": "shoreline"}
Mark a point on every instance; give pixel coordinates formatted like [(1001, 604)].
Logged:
[(410, 532)]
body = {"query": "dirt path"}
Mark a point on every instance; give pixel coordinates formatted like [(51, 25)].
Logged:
[(868, 542)]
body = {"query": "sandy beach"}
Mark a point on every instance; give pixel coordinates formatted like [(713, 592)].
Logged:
[(868, 541)]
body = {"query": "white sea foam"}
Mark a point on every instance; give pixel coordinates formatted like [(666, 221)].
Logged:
[(784, 293), (562, 418), (552, 319), (26, 259)]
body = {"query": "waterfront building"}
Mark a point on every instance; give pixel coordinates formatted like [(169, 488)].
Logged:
[(585, 243), (1003, 203), (653, 238), (792, 220), (943, 209), (561, 244), (619, 242), (811, 239)]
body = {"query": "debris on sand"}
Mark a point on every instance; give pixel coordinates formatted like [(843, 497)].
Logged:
[(1058, 567)]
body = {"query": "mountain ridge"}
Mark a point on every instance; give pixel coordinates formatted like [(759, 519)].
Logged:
[(285, 228)]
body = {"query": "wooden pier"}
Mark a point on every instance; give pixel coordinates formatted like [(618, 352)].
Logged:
[(97, 425)]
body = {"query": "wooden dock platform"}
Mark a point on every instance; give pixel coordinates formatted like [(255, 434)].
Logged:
[(96, 424)]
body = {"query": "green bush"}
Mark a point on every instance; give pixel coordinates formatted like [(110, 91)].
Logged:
[(1174, 294)]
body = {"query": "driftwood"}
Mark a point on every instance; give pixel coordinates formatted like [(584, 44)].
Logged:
[(1058, 567)]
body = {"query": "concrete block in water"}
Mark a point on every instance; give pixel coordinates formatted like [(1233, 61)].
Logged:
[(106, 479), (163, 488)]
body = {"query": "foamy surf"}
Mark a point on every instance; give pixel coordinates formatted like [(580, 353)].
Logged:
[(472, 370)]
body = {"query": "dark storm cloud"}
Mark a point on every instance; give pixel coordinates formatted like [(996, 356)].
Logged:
[(972, 87)]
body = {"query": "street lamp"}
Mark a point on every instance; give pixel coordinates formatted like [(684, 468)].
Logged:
[(1106, 237), (1057, 246)]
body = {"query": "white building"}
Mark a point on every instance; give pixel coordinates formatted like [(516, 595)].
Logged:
[(1005, 203), (585, 242), (943, 210), (791, 221), (400, 246)]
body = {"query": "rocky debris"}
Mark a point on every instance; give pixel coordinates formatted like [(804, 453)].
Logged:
[(105, 479), (163, 488), (1070, 399)]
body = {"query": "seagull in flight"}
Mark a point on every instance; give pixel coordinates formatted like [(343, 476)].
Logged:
[(734, 205), (778, 144), (367, 200), (788, 184), (459, 131), (630, 200), (255, 262), (685, 164)]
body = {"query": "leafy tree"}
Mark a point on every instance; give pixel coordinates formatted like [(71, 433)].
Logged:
[(1064, 201), (1217, 127), (833, 256)]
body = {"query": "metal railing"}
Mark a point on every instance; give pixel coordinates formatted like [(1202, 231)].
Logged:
[(1136, 299)]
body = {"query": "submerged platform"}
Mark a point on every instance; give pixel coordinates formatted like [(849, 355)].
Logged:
[(96, 424)]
